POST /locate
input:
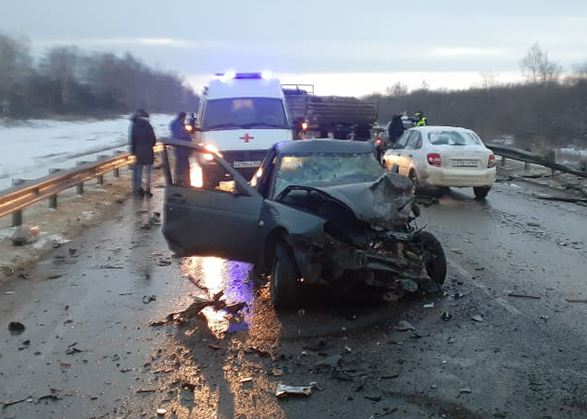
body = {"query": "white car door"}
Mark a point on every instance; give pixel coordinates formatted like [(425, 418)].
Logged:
[(411, 152), (395, 155)]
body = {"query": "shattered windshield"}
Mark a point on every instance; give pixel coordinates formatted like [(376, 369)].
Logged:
[(318, 169), (453, 138), (244, 113)]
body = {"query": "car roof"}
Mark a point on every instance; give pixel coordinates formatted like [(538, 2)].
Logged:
[(433, 128), (323, 146)]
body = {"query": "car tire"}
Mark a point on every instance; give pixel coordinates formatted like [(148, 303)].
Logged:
[(284, 285), (414, 179), (433, 254), (481, 191)]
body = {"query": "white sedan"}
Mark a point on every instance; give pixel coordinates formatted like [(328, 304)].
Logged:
[(443, 156)]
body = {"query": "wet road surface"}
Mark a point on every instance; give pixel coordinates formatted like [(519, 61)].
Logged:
[(88, 349)]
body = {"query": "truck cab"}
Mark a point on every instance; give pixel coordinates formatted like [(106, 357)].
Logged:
[(242, 115)]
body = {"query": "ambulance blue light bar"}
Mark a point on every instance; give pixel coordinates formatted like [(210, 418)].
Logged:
[(223, 77)]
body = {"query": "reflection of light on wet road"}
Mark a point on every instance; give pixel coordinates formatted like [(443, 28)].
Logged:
[(215, 275)]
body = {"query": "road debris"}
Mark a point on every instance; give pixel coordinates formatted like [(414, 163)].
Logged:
[(148, 298), (146, 390), (429, 305), (246, 380), (456, 251), (161, 412), (13, 402), (54, 395), (285, 390), (534, 297), (543, 317), (25, 234), (194, 309), (276, 372), (465, 390), (71, 349), (163, 262), (478, 318), (404, 326), (16, 328), (446, 316)]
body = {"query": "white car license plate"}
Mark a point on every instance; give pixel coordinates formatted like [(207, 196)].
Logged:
[(465, 163), (246, 164)]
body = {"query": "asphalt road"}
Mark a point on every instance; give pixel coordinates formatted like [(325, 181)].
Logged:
[(513, 344)]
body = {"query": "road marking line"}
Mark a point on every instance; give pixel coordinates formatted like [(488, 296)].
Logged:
[(483, 287)]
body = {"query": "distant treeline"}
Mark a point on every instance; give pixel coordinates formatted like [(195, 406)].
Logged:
[(549, 108), (67, 81), (535, 113)]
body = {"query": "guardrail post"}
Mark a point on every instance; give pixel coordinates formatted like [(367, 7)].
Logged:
[(79, 189), (117, 172), (17, 215), (503, 160), (101, 177), (53, 198), (526, 166)]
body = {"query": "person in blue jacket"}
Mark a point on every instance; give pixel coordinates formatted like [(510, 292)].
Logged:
[(182, 165)]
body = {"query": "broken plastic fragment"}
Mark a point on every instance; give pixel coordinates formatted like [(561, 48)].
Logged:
[(285, 390)]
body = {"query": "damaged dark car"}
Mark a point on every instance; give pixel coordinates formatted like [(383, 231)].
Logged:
[(317, 212)]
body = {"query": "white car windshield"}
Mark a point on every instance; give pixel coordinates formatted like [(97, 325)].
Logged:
[(244, 113), (453, 138), (319, 169)]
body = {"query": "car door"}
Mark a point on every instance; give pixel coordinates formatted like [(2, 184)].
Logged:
[(410, 155), (394, 156), (215, 212)]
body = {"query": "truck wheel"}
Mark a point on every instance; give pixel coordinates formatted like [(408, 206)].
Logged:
[(284, 286), (481, 191), (433, 255)]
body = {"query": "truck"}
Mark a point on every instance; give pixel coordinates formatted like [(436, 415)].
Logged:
[(338, 117)]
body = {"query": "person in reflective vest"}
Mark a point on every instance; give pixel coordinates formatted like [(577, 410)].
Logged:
[(419, 119)]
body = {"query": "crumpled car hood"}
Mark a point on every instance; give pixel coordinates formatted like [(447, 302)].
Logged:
[(385, 203)]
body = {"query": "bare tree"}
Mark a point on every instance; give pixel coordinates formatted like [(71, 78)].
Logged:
[(580, 70), (15, 66), (537, 67), (489, 80), (396, 90)]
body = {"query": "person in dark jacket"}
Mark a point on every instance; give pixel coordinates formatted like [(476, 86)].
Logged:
[(396, 129), (142, 140), (182, 164)]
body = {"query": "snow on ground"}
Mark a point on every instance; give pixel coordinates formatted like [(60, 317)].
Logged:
[(29, 151)]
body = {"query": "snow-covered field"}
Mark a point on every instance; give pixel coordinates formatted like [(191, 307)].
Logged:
[(29, 151)]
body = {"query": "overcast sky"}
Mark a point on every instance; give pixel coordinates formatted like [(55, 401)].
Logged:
[(341, 46)]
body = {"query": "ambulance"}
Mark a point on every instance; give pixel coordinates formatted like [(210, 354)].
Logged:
[(241, 115)]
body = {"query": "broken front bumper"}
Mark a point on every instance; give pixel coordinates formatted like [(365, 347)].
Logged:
[(333, 260)]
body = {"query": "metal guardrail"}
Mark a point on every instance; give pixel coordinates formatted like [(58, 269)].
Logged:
[(534, 158), (26, 193)]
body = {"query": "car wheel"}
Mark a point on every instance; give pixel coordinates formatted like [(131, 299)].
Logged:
[(284, 286), (481, 192), (433, 255), (414, 179)]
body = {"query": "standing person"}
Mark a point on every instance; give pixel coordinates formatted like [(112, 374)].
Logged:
[(419, 119), (142, 140), (396, 129), (182, 164)]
